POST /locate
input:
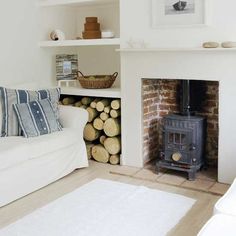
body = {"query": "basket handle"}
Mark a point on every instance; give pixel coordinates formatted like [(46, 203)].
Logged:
[(80, 73), (115, 75)]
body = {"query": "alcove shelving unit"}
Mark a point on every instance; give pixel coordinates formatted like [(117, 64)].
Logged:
[(96, 56)]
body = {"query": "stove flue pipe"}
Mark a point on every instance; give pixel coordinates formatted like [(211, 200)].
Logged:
[(186, 103)]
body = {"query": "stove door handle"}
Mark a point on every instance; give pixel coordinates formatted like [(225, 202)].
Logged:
[(192, 147)]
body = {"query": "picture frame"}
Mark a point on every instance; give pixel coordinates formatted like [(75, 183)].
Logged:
[(179, 13), (66, 66)]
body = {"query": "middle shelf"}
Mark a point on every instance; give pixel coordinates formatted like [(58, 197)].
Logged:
[(113, 92), (80, 42)]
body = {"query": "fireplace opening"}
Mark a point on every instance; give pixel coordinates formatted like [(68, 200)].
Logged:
[(194, 103)]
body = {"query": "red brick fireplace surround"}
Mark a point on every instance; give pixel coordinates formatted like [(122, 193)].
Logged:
[(161, 97)]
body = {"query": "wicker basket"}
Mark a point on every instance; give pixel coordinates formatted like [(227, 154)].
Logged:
[(96, 81)]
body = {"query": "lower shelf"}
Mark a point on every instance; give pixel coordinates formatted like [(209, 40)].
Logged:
[(112, 92)]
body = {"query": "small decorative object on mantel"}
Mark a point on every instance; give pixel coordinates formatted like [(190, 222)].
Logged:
[(210, 45), (91, 28), (57, 35), (228, 44), (96, 81)]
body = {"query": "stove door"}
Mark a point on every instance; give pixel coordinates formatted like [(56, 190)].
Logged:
[(178, 145)]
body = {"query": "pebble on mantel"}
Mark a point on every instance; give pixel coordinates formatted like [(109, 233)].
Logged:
[(228, 44), (210, 45)]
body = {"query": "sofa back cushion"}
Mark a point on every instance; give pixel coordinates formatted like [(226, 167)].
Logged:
[(10, 125)]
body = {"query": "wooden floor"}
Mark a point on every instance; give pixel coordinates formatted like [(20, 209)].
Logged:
[(189, 225)]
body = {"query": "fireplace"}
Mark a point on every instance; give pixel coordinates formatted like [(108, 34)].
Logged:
[(217, 68)]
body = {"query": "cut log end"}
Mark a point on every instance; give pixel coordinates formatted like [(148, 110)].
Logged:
[(102, 104), (90, 133), (89, 149), (104, 116), (115, 113), (112, 127), (100, 154), (114, 159), (115, 104), (98, 124), (113, 145), (102, 139), (92, 113)]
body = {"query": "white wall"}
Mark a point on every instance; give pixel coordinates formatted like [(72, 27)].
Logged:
[(136, 24), (19, 52)]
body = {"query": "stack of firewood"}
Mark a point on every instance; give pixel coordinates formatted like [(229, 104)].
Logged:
[(102, 132)]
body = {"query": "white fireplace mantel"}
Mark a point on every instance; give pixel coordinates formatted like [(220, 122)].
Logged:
[(178, 49), (218, 65)]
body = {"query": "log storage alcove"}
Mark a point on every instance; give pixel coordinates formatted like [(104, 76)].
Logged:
[(102, 133)]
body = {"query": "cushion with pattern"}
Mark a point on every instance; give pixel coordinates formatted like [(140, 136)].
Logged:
[(8, 97), (37, 118)]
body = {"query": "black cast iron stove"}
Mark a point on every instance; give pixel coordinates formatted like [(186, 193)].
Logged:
[(184, 137)]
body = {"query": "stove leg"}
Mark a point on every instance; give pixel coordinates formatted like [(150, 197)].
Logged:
[(157, 169), (192, 175)]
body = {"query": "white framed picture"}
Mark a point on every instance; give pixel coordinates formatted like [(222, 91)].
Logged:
[(179, 13)]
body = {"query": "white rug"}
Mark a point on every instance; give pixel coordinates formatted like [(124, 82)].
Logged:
[(105, 208)]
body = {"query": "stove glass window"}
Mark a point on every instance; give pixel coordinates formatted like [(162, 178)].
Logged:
[(177, 138)]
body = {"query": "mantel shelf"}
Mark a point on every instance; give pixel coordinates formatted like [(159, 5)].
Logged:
[(112, 92), (80, 42), (206, 50), (48, 3)]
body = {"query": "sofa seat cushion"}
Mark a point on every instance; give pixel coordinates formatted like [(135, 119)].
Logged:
[(219, 225), (15, 150), (226, 204)]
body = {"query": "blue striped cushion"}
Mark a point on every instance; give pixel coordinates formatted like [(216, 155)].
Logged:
[(10, 125), (37, 118)]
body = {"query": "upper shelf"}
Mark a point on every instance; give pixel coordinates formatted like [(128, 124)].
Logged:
[(48, 3), (81, 42)]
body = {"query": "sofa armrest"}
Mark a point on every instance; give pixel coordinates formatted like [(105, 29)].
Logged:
[(73, 117)]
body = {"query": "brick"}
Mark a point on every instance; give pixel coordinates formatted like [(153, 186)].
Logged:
[(164, 107), (152, 108), (147, 103)]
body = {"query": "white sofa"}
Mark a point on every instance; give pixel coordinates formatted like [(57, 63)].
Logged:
[(223, 221), (29, 164)]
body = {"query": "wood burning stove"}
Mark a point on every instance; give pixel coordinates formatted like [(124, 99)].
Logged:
[(184, 137)]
